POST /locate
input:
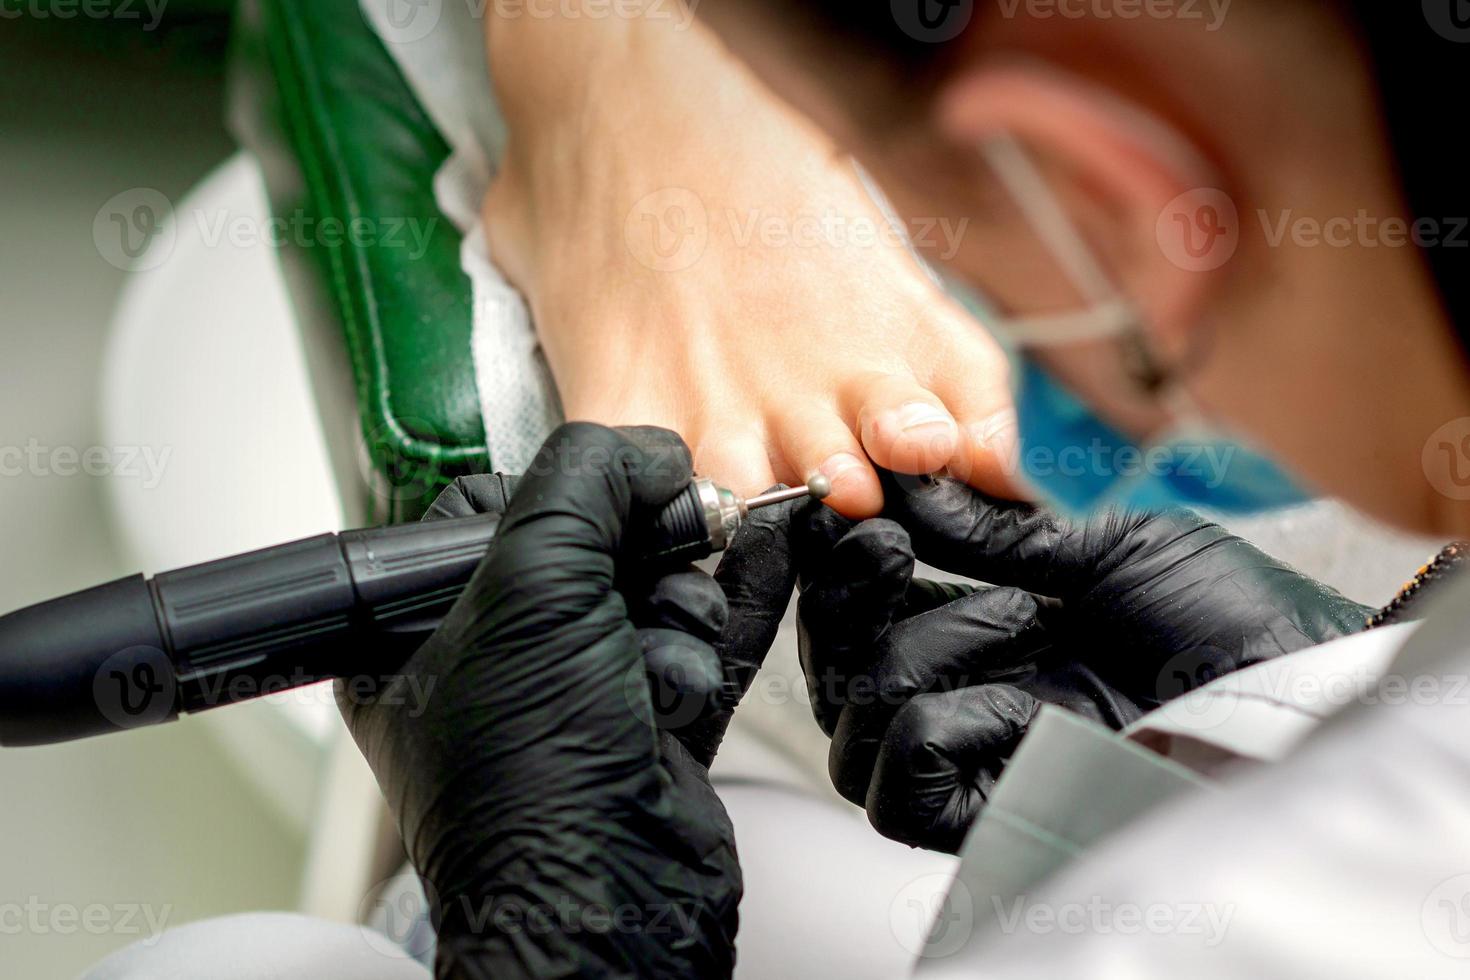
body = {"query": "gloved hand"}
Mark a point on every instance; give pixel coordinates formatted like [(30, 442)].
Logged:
[(559, 830), (926, 689)]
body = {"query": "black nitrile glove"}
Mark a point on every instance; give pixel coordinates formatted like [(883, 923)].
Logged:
[(927, 689), (560, 831)]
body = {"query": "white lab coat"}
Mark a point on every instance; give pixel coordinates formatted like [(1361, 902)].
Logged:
[(1348, 858)]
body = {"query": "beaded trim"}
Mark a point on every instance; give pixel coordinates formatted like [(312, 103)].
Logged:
[(1427, 580)]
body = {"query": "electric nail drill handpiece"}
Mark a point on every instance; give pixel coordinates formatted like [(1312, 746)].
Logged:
[(140, 652)]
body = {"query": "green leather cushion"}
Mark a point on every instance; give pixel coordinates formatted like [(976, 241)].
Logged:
[(342, 139)]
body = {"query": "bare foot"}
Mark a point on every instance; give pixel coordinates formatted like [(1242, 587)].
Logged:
[(697, 256)]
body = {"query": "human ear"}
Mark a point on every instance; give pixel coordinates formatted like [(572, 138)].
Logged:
[(1148, 202)]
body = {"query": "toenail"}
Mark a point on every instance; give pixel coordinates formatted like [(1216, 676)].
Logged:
[(919, 415), (840, 466), (997, 433)]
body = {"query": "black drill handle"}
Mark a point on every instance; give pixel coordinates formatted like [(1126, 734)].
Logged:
[(136, 652)]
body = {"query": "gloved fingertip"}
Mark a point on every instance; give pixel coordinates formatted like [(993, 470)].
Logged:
[(880, 536), (898, 487), (470, 496), (1001, 626), (828, 541), (1003, 607), (685, 677), (681, 662), (876, 550), (850, 764), (688, 601)]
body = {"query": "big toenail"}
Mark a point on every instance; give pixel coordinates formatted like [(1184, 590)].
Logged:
[(919, 415)]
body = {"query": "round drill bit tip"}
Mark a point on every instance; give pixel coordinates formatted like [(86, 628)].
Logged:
[(819, 487)]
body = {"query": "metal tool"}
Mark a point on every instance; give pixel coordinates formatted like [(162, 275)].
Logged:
[(141, 652), (705, 518)]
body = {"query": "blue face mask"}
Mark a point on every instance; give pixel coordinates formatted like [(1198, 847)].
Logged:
[(1078, 462), (1068, 455)]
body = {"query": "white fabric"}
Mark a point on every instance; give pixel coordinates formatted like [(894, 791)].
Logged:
[(265, 946), (1350, 859), (440, 49), (825, 896), (1263, 713), (798, 853)]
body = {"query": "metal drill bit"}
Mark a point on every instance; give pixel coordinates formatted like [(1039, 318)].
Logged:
[(818, 489)]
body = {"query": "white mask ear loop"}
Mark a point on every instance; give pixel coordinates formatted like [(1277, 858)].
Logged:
[(1108, 313)]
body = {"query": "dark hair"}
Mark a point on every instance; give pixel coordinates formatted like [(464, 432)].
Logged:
[(874, 25), (908, 38)]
